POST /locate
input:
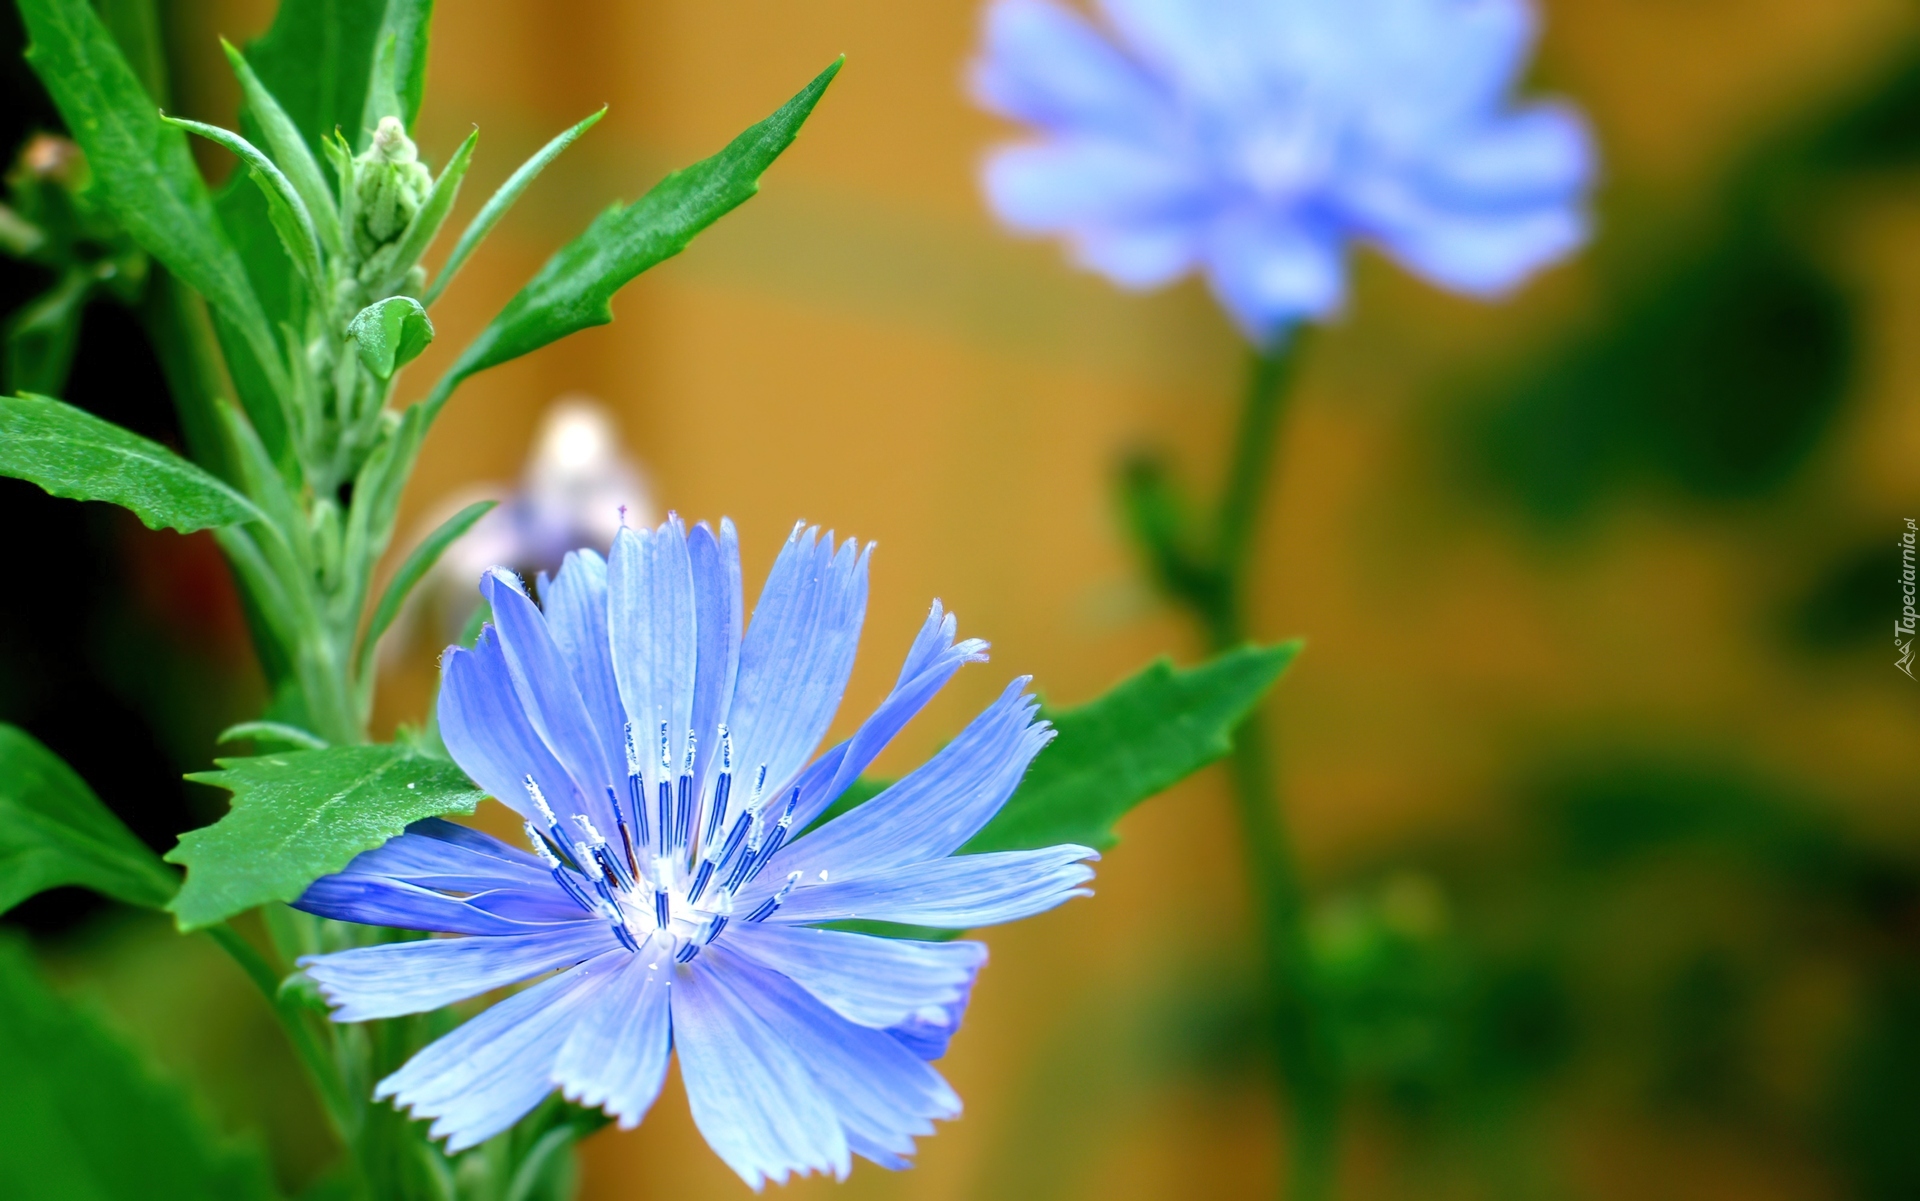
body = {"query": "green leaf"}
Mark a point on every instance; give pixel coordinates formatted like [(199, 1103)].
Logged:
[(272, 731), (316, 59), (390, 334), (42, 334), (1144, 736), (302, 815), (399, 73), (412, 572), (285, 208), (575, 288), (54, 832), (74, 454), (86, 1119), (290, 150), (502, 200), (141, 166)]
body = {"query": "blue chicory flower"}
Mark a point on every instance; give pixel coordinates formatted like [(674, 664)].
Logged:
[(1252, 139), (660, 759)]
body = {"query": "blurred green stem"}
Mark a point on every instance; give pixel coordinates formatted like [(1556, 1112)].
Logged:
[(1208, 575), (320, 1067)]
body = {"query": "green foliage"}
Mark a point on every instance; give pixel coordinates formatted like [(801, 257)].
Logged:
[(71, 453), (285, 207), (82, 1118), (574, 290), (1139, 739), (412, 572), (302, 815), (1146, 734), (318, 56), (1715, 377), (497, 205), (54, 832), (143, 169), (390, 334)]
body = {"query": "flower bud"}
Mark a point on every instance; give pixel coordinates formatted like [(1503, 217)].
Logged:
[(392, 183)]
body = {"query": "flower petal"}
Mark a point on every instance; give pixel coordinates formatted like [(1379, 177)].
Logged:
[(1043, 63), (488, 1074), (650, 620), (934, 809), (378, 901), (797, 655), (552, 703), (1133, 213), (1272, 273), (616, 1057), (413, 977), (875, 982), (883, 1095), (752, 1098), (718, 604), (487, 732), (931, 662), (439, 854), (576, 608), (954, 894)]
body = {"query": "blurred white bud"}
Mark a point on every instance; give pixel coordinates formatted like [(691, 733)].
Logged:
[(577, 482)]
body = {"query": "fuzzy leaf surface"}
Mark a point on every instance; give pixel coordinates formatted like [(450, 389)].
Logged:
[(71, 453), (54, 831), (86, 1119), (301, 815), (390, 334)]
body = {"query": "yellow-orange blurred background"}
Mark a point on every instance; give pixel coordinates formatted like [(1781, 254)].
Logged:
[(859, 346)]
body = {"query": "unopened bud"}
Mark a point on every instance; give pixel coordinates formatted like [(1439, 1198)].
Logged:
[(392, 183)]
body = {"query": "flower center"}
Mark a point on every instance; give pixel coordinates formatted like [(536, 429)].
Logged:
[(670, 875)]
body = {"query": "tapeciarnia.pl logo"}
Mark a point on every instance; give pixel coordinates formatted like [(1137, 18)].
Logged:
[(1903, 626)]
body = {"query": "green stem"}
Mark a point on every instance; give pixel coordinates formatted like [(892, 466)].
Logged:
[(1302, 1042), (319, 1065)]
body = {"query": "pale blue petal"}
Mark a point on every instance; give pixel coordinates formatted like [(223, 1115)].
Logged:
[(378, 901), (1488, 255), (552, 703), (1202, 52), (1540, 155), (935, 808), (797, 655), (1271, 274), (719, 609), (650, 619), (439, 854), (1043, 63), (955, 894), (576, 608), (488, 1074), (928, 1032), (752, 1097), (487, 732), (931, 662), (871, 981), (883, 1095), (616, 1057), (1136, 214), (413, 977)]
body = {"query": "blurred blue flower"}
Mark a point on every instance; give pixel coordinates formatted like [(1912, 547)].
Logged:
[(660, 760), (1251, 139)]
